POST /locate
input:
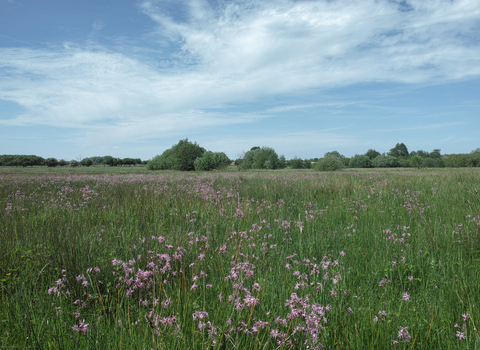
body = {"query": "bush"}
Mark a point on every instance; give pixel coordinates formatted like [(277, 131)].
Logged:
[(181, 157), (360, 161), (261, 158), (416, 161), (296, 163), (51, 162), (429, 162), (62, 162), (372, 154), (211, 160), (439, 163), (73, 163), (386, 162), (86, 162), (328, 164)]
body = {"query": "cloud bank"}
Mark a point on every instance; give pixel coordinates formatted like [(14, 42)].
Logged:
[(218, 57)]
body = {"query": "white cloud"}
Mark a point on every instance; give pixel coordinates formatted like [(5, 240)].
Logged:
[(239, 53)]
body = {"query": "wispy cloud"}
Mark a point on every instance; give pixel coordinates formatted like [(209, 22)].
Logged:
[(236, 53)]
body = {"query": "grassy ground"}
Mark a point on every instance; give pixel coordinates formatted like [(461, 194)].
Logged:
[(127, 258)]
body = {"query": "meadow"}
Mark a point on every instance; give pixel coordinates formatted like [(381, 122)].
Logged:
[(369, 259)]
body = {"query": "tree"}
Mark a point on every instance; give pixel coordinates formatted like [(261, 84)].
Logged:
[(385, 162), (372, 154), (181, 156), (261, 158), (62, 162), (73, 163), (108, 160), (86, 162), (296, 163), (334, 154), (211, 160), (328, 164), (282, 163), (435, 154), (416, 161), (360, 161), (400, 150), (51, 162)]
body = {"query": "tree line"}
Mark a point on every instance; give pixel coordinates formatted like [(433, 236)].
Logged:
[(32, 160), (188, 156)]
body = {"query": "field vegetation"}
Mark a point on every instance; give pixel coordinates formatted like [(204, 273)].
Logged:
[(299, 259)]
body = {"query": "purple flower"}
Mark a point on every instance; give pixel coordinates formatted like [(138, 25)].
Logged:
[(461, 335), (404, 335), (82, 327), (406, 297)]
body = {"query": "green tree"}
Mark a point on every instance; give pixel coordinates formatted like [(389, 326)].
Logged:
[(108, 160), (62, 162), (360, 161), (328, 164), (260, 158), (211, 160), (86, 162), (334, 154), (385, 162), (51, 162), (416, 161), (296, 163), (400, 150), (73, 163), (372, 154), (181, 156)]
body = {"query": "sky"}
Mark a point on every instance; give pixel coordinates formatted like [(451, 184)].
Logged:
[(132, 78)]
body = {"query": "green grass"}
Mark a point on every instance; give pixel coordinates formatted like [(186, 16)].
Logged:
[(238, 245)]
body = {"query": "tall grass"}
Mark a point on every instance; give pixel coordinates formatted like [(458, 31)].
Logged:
[(260, 260)]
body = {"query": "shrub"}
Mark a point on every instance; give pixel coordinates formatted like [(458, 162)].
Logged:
[(51, 162), (181, 156), (360, 161), (73, 163), (416, 161), (385, 162), (429, 162), (261, 158), (86, 162), (211, 160), (296, 163), (372, 154), (328, 164)]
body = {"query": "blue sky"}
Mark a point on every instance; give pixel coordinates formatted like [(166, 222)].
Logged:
[(131, 78)]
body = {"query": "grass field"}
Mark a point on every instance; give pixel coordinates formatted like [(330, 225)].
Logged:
[(134, 259)]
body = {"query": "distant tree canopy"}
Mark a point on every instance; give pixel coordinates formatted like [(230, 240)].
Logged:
[(51, 162), (20, 160), (298, 163), (372, 154), (360, 161), (211, 160), (400, 150), (181, 156), (261, 158), (329, 163), (334, 154), (382, 161)]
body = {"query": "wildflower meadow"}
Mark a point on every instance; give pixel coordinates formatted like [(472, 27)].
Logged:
[(371, 259)]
